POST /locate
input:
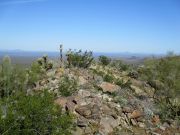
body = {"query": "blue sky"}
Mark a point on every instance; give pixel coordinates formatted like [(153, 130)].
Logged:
[(140, 26)]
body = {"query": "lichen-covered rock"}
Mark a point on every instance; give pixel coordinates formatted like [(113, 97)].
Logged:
[(107, 125), (109, 87), (84, 93), (137, 90), (84, 110)]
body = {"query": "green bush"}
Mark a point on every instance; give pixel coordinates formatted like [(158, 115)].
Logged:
[(108, 78), (36, 72), (15, 78), (79, 58), (37, 114), (44, 63), (123, 84), (12, 78), (169, 110), (95, 71), (120, 65), (164, 75), (104, 60), (67, 86)]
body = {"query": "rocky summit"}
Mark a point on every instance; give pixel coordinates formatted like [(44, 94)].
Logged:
[(83, 96), (102, 107)]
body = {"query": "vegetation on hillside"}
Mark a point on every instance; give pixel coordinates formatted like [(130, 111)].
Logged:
[(33, 114), (22, 112), (67, 85), (79, 58), (104, 60), (164, 75)]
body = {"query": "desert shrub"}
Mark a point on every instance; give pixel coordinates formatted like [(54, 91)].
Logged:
[(119, 82), (122, 84), (168, 110), (164, 71), (120, 65), (67, 85), (44, 63), (164, 75), (12, 78), (126, 84), (97, 72), (133, 74), (108, 78), (79, 58), (37, 114), (104, 60), (16, 78), (35, 73)]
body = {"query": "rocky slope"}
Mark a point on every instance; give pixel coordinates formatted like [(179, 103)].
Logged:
[(104, 108)]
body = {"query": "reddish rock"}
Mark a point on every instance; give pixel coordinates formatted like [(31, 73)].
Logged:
[(109, 87), (135, 114), (155, 119)]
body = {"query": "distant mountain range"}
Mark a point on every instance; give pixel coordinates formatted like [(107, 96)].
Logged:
[(20, 53)]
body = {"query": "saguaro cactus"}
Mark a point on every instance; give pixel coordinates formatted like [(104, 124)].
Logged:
[(61, 55), (6, 73)]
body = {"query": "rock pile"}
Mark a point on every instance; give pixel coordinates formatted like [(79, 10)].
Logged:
[(109, 110)]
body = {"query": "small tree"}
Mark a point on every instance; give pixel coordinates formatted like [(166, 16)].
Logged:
[(79, 58), (36, 114), (104, 60), (67, 86)]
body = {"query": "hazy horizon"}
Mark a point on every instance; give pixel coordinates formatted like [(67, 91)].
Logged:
[(64, 51), (135, 26)]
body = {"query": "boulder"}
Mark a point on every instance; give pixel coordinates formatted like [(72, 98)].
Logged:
[(135, 114), (78, 131), (133, 122), (84, 110), (43, 82), (141, 125), (109, 87), (70, 106), (109, 111), (107, 124), (84, 93), (82, 81), (127, 109), (95, 112), (61, 101), (82, 122)]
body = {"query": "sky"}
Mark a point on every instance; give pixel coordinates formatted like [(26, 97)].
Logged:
[(138, 26)]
